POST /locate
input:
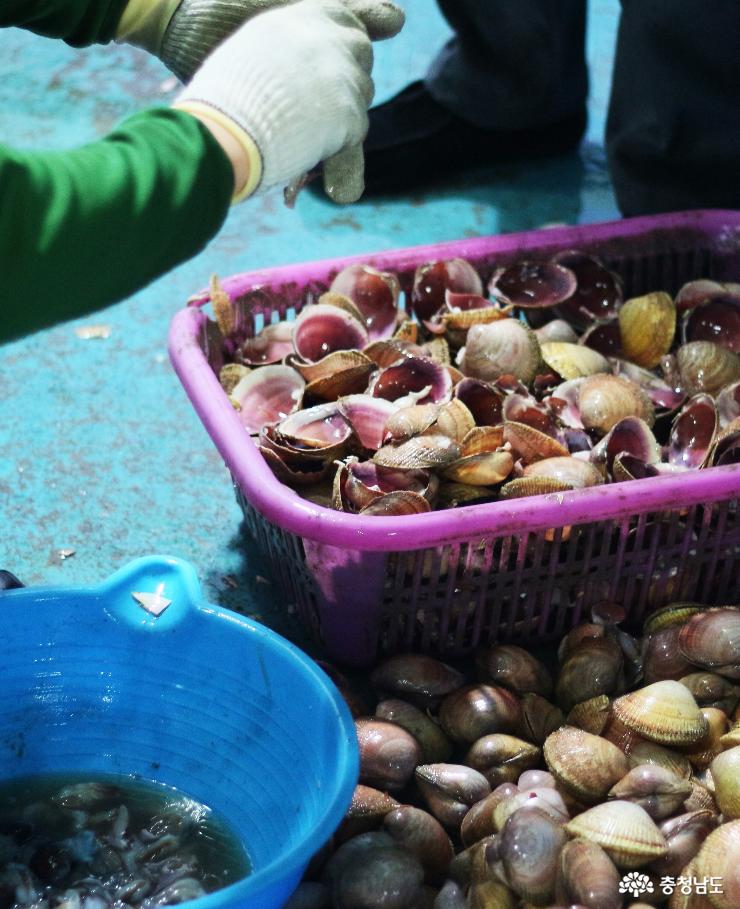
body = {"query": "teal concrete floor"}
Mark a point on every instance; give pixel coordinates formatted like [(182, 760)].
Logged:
[(101, 455)]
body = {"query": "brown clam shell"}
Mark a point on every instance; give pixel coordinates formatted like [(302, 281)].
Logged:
[(531, 842), (522, 487), (502, 758), (593, 668), (591, 715), (450, 790), (436, 748), (604, 400), (486, 469), (711, 639), (719, 858), (707, 367), (420, 452), (725, 770), (566, 469), (530, 444), (477, 710), (588, 877), (366, 812), (586, 765), (478, 822), (417, 678), (423, 835), (388, 754), (659, 791), (647, 327), (514, 668)]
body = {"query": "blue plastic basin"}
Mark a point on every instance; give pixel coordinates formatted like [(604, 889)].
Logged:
[(198, 698)]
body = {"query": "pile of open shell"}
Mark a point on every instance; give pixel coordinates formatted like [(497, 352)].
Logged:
[(547, 380), (517, 786)]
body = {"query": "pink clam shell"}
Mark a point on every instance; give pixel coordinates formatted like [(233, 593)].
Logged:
[(413, 376), (374, 293), (693, 431), (598, 294), (533, 284), (267, 395), (367, 416), (268, 346), (483, 400), (321, 329), (433, 279)]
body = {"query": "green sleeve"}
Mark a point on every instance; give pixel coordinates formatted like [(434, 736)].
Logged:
[(78, 22), (84, 228)]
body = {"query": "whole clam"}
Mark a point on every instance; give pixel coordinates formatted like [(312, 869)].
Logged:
[(625, 831)]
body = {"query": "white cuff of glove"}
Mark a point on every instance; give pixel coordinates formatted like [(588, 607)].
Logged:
[(296, 81)]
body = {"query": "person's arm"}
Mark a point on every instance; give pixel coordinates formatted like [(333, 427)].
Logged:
[(84, 228), (78, 22)]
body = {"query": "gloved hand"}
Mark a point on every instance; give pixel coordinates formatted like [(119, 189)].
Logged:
[(293, 86), (183, 32)]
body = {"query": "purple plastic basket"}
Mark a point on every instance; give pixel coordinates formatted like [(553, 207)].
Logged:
[(524, 570)]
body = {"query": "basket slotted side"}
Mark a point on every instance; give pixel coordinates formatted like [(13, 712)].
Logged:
[(528, 587), (363, 590)]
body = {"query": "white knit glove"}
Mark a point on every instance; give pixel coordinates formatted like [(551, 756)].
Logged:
[(183, 32), (293, 86)]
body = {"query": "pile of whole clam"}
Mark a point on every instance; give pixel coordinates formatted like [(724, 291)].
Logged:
[(546, 380), (610, 780)]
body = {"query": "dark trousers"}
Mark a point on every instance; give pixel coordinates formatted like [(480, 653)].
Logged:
[(673, 126)]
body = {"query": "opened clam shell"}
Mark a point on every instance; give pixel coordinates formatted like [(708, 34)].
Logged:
[(266, 396), (647, 326), (270, 345), (625, 831), (433, 279), (532, 284), (321, 329), (375, 293), (598, 294), (483, 401), (420, 379), (693, 432), (368, 417), (664, 712)]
